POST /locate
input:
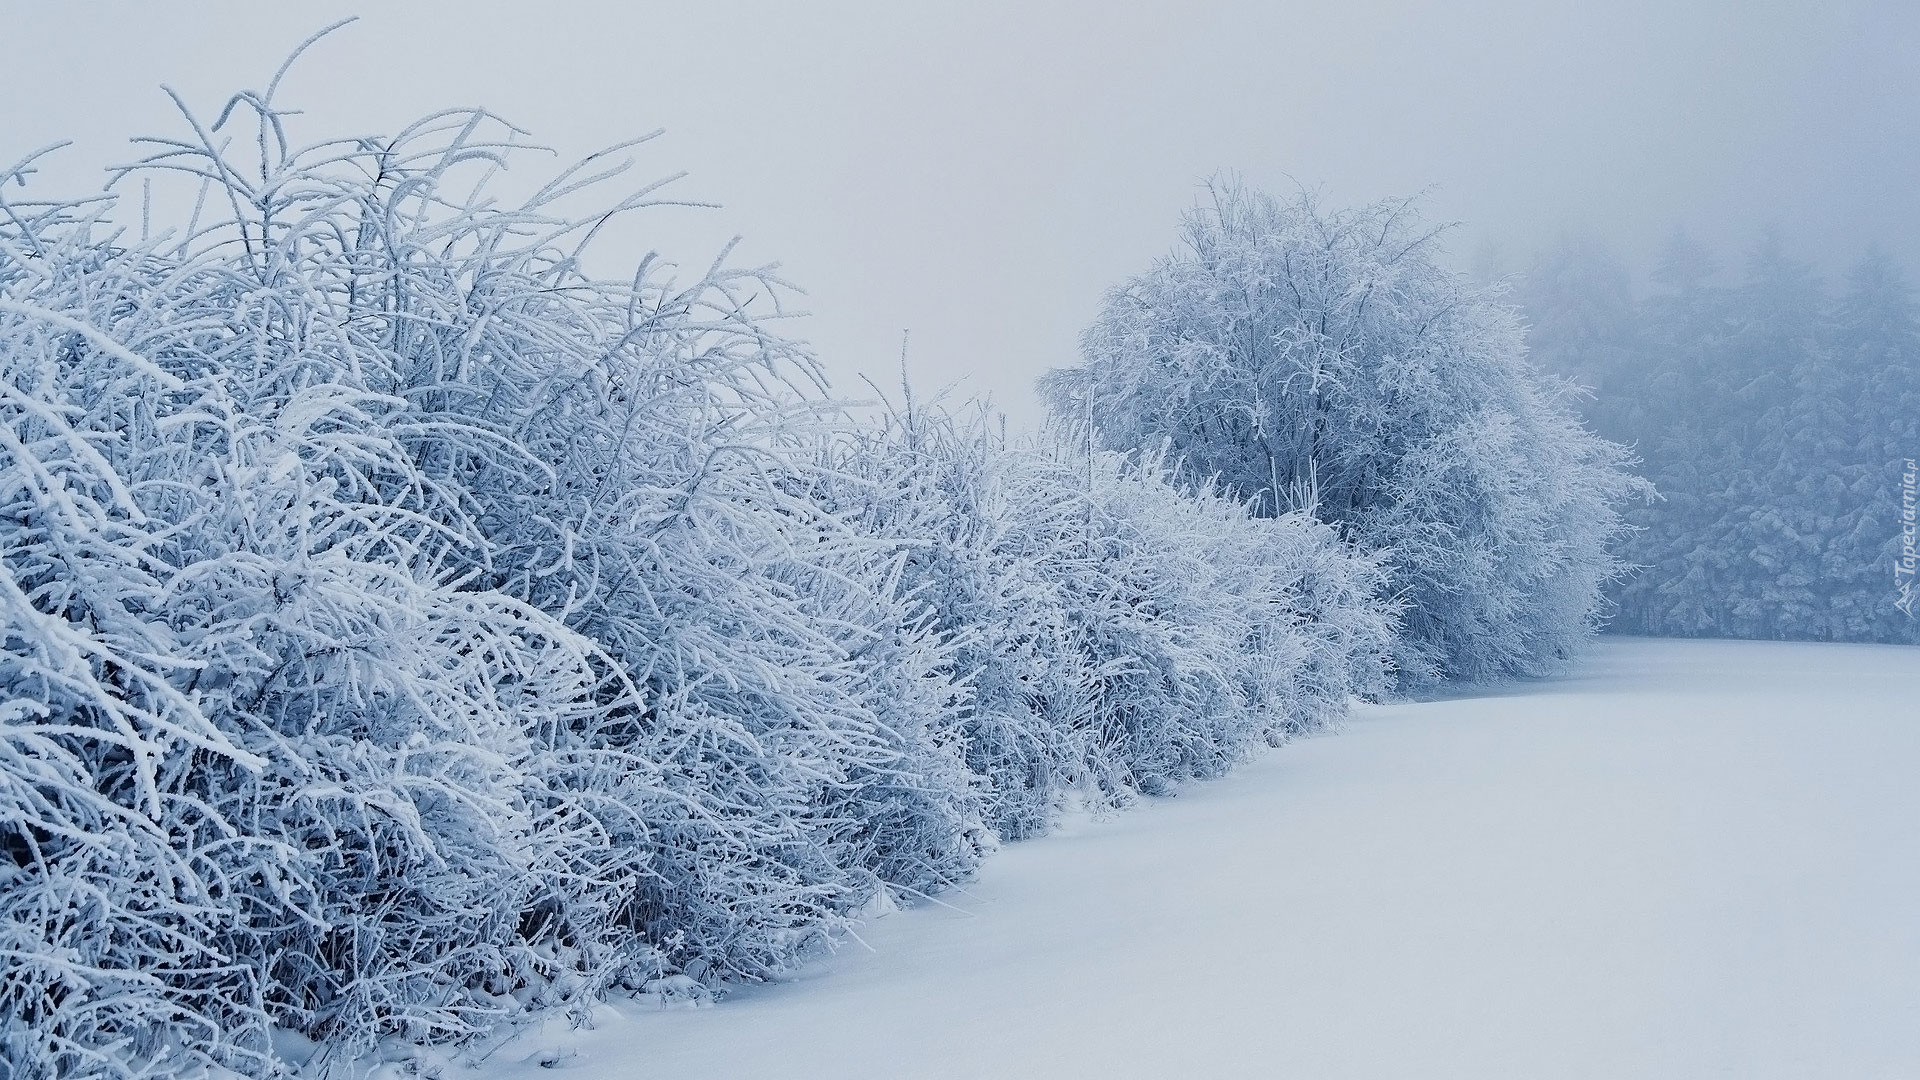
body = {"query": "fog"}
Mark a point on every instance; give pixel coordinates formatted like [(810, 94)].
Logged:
[(979, 175), (416, 642)]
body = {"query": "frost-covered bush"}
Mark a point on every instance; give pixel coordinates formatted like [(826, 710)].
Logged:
[(972, 541), (1116, 632), (267, 758), (404, 628), (636, 484), (434, 625), (1307, 359), (1209, 629)]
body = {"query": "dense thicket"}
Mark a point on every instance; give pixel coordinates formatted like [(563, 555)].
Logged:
[(1775, 418), (403, 628), (1327, 362), (1119, 631)]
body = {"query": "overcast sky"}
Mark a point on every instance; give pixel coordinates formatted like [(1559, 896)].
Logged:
[(981, 172)]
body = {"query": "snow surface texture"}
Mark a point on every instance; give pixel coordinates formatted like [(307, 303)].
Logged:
[(1688, 859)]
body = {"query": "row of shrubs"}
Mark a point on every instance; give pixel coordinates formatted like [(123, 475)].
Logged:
[(404, 628)]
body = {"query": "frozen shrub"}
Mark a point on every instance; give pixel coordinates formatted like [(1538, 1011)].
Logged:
[(404, 628), (429, 622), (1209, 629), (1117, 632), (971, 536), (266, 759)]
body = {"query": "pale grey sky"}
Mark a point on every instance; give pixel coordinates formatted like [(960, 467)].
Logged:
[(981, 172)]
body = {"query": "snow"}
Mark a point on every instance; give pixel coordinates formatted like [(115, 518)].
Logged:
[(1686, 859)]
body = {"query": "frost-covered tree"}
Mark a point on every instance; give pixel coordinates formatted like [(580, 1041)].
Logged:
[(1327, 361)]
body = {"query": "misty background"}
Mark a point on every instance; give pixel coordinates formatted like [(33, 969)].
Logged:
[(412, 644), (980, 174)]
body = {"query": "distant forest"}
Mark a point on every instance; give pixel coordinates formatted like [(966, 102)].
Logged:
[(1774, 413)]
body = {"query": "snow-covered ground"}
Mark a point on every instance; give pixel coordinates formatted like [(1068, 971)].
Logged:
[(1688, 859)]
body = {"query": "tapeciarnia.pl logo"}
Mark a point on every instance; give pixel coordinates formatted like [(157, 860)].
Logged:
[(1903, 564)]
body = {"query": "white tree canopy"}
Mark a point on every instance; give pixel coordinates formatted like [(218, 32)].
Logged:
[(1327, 361)]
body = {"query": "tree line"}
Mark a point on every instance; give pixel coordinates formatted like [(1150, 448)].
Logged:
[(1774, 415)]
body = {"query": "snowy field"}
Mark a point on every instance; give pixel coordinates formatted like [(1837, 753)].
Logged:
[(1689, 859)]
